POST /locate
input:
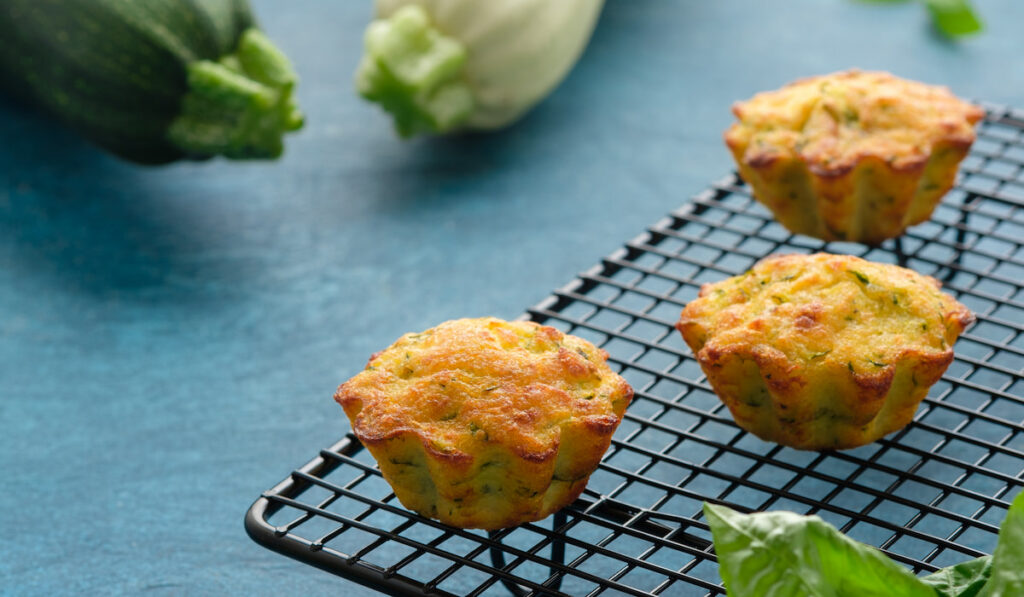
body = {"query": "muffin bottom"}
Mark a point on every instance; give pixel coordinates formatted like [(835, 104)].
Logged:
[(869, 203), (815, 413)]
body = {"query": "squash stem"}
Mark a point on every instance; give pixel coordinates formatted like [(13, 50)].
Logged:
[(416, 73), (239, 106)]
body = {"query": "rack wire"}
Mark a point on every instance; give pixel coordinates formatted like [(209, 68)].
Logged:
[(930, 495)]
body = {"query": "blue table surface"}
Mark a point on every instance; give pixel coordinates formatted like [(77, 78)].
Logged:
[(170, 337)]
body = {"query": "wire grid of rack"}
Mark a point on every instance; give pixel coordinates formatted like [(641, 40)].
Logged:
[(930, 495)]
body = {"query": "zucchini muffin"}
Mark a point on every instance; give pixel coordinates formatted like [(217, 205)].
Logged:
[(852, 156), (823, 351), (483, 423)]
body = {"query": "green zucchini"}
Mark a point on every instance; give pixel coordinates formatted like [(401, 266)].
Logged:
[(152, 81)]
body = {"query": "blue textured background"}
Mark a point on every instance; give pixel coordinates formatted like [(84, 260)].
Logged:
[(170, 337)]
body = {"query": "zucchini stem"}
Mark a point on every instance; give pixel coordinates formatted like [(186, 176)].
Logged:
[(416, 73), (239, 106)]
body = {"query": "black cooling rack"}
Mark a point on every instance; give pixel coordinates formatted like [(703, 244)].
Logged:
[(930, 495)]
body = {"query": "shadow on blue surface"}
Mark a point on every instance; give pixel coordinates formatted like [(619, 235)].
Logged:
[(99, 225)]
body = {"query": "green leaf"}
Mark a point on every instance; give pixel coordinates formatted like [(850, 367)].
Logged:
[(1008, 561), (782, 554), (954, 17), (963, 580)]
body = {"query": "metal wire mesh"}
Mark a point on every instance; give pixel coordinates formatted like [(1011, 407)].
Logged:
[(930, 495)]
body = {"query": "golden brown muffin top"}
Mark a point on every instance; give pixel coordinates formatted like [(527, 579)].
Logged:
[(822, 308), (468, 382), (833, 121)]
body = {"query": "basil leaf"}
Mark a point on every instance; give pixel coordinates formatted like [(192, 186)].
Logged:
[(963, 580), (953, 17), (1008, 561), (782, 554)]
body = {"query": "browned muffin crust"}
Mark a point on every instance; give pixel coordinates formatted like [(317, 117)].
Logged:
[(823, 351), (853, 155), (484, 423)]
